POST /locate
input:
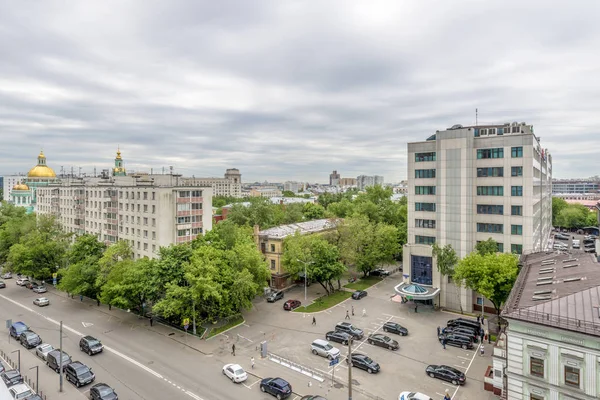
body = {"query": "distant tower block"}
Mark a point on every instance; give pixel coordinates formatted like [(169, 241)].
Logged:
[(234, 175)]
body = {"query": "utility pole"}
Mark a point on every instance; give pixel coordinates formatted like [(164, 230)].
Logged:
[(350, 369), (60, 371), (193, 316)]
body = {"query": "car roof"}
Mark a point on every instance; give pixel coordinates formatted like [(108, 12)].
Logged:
[(19, 323), (280, 381), (11, 372), (88, 337)]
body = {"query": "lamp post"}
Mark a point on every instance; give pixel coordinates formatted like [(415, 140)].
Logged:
[(37, 377), (18, 359), (305, 275)]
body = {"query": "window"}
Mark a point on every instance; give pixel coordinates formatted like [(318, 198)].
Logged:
[(421, 270), (272, 248), (490, 172), (145, 195), (153, 209), (516, 248), (516, 171), (516, 152), (183, 232), (153, 195), (196, 206), (196, 193), (424, 239), (427, 190), (185, 193), (184, 207), (425, 207), (146, 246), (138, 208), (145, 234), (490, 228), (153, 221), (424, 173), (535, 397), (516, 190), (425, 223), (145, 208), (536, 367), (138, 195), (153, 235), (572, 376), (272, 264), (490, 209), (490, 190), (490, 153), (516, 229), (516, 210), (420, 157)]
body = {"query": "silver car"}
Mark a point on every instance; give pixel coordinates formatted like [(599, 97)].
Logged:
[(40, 289), (43, 349), (42, 301), (7, 275)]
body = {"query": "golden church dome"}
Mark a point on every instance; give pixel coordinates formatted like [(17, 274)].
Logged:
[(20, 186), (41, 170)]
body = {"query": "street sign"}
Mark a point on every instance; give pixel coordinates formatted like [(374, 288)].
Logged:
[(186, 321), (334, 362), (54, 275), (8, 323)]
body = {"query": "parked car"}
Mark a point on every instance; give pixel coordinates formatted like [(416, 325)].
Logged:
[(274, 296), (463, 331), (464, 322), (79, 374), (43, 349), (453, 339), (324, 349), (17, 328), (7, 275), (379, 272), (53, 360), (291, 305), (350, 329), (1, 368), (589, 249), (22, 281), (2, 285), (576, 244), (90, 345), (34, 397), (11, 377), (235, 372), (560, 246), (277, 387), (338, 336), (377, 339), (362, 361), (101, 391), (20, 391), (395, 328), (359, 294), (560, 236), (31, 285), (40, 289), (42, 301), (313, 397), (29, 339), (413, 396), (446, 373)]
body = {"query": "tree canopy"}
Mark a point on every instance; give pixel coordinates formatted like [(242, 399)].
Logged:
[(489, 246), (446, 259)]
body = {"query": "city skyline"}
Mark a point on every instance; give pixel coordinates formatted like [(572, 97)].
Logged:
[(289, 91)]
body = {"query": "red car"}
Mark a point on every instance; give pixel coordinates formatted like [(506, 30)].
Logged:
[(291, 304)]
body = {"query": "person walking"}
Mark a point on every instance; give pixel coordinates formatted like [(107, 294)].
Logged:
[(233, 349), (439, 330), (109, 306), (447, 395), (478, 319), (487, 335), (481, 351), (416, 307), (252, 362), (98, 302), (151, 321), (80, 297), (353, 311), (314, 320), (364, 312), (444, 343), (347, 315)]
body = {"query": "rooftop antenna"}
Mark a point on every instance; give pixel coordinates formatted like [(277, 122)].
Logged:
[(476, 117)]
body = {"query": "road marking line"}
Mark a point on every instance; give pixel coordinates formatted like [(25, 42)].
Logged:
[(193, 395), (467, 370), (464, 358), (460, 366)]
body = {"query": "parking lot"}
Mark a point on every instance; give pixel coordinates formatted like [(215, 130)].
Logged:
[(289, 335), (566, 242)]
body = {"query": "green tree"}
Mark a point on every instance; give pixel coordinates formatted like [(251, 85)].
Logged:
[(86, 247), (115, 254), (446, 259), (288, 193), (81, 273), (491, 275), (572, 217), (489, 246), (341, 209), (15, 224), (558, 205), (313, 211)]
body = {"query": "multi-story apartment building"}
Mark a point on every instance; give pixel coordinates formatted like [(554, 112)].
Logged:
[(10, 181), (230, 185), (293, 187), (550, 349), (347, 181), (575, 186), (148, 211), (334, 178), (364, 181), (467, 184)]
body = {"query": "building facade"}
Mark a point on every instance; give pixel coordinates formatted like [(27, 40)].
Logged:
[(468, 184), (23, 192), (334, 179), (230, 185), (265, 191), (293, 187), (575, 186), (365, 181), (347, 181)]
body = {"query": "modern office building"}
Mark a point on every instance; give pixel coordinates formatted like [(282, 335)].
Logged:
[(365, 181), (334, 178), (467, 184), (575, 186), (230, 185)]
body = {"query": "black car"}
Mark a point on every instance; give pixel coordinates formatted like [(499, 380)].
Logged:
[(12, 377), (395, 328), (79, 374), (338, 336), (464, 322), (589, 249), (377, 339), (379, 272), (454, 339), (274, 296), (30, 339), (90, 345), (362, 361), (359, 294), (101, 391), (446, 373), (463, 331), (350, 329), (277, 387), (2, 285)]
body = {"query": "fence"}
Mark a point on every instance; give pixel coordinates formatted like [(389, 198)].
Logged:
[(572, 324), (26, 379)]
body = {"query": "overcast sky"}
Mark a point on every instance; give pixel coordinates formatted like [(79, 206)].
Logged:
[(290, 90)]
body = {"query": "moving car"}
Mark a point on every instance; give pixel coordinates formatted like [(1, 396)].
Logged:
[(338, 336), (7, 275), (277, 387), (22, 281), (362, 361), (395, 328), (413, 396), (291, 305), (90, 345), (79, 374), (359, 294), (446, 373), (20, 391), (453, 339), (17, 328), (53, 360), (377, 339), (11, 377), (29, 339), (274, 296), (379, 272), (324, 349), (2, 285), (235, 372), (40, 289), (42, 301), (349, 329), (101, 391), (43, 349)]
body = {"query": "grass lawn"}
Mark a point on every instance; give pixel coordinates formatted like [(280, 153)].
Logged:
[(233, 322), (363, 283), (325, 302)]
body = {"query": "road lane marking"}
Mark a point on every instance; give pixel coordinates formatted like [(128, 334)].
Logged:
[(86, 324), (467, 370), (193, 395)]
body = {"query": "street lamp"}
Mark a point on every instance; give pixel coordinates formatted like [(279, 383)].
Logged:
[(37, 377), (305, 276), (18, 359)]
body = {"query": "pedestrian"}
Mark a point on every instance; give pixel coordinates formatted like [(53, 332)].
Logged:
[(353, 311), (447, 395), (81, 297), (439, 330), (98, 302), (444, 343), (151, 321), (416, 306), (233, 349), (109, 306), (347, 315), (481, 350), (364, 312), (252, 362), (478, 319), (314, 320), (487, 335)]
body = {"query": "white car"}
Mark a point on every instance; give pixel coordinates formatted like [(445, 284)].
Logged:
[(235, 372), (22, 281), (413, 396), (42, 301), (40, 289), (7, 275), (43, 349)]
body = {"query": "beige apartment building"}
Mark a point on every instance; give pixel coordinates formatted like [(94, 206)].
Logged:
[(265, 191), (230, 185)]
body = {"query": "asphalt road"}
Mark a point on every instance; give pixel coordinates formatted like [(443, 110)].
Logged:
[(139, 363)]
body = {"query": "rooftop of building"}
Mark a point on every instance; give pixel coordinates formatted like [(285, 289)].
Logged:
[(558, 290), (282, 231)]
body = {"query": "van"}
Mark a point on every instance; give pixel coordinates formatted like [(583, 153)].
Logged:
[(17, 328), (53, 360), (20, 391), (324, 349)]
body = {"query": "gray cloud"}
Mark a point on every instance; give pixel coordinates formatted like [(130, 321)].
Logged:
[(289, 90)]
